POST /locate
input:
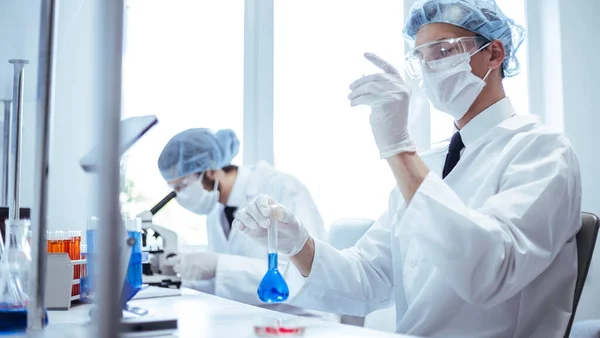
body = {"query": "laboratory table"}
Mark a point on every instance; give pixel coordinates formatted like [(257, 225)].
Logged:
[(204, 315)]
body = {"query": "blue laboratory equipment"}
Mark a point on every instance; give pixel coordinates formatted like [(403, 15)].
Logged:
[(133, 280), (273, 288)]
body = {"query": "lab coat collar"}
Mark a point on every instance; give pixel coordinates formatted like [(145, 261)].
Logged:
[(486, 121), (237, 197)]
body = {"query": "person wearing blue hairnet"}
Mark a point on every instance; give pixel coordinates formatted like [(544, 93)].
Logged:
[(479, 236), (196, 164)]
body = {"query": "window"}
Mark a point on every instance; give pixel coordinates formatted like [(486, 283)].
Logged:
[(184, 64), (318, 137), (516, 87)]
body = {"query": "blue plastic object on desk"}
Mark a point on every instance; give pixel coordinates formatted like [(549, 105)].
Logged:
[(133, 281)]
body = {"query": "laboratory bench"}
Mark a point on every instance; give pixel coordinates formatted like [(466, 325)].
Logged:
[(204, 315)]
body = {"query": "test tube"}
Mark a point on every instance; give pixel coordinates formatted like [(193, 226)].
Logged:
[(59, 243), (77, 252), (52, 237)]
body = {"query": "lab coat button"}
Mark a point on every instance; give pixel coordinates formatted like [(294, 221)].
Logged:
[(412, 263)]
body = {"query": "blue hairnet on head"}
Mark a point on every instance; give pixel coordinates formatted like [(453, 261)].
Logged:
[(482, 17), (196, 150)]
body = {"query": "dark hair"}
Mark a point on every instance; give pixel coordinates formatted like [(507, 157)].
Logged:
[(226, 169), (229, 168)]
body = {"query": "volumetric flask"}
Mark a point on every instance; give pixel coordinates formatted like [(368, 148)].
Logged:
[(273, 288)]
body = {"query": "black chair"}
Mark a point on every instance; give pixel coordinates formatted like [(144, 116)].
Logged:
[(586, 241)]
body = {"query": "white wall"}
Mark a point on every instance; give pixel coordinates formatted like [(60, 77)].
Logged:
[(580, 31), (564, 74), (70, 194), (19, 40)]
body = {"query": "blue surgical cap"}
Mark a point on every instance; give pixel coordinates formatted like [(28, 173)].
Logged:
[(482, 17), (196, 150)]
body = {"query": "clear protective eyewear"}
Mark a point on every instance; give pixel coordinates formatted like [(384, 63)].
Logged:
[(184, 183), (424, 55)]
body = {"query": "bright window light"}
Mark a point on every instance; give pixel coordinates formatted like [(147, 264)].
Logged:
[(319, 138), (183, 63)]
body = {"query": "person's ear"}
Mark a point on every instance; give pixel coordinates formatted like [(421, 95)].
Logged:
[(497, 54)]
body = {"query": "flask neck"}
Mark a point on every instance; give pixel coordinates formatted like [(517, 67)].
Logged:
[(17, 235)]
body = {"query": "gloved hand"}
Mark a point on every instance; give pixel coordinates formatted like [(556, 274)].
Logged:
[(195, 266), (254, 220), (389, 98)]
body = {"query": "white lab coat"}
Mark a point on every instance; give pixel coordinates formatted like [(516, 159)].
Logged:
[(242, 262), (487, 252)]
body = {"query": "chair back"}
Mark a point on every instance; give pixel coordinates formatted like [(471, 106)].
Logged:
[(586, 241)]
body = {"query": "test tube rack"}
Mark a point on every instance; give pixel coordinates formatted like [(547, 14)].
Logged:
[(60, 281)]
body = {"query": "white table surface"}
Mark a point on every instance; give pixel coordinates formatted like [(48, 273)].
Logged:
[(204, 315)]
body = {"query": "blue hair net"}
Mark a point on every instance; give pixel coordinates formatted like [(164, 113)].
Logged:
[(482, 17), (196, 150)]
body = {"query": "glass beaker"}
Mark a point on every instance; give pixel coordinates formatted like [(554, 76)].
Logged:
[(14, 277)]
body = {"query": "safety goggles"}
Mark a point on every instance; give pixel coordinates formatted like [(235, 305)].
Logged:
[(184, 183), (423, 56)]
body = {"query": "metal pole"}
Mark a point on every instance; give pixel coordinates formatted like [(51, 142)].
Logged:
[(39, 210), (109, 67), (15, 135), (6, 151)]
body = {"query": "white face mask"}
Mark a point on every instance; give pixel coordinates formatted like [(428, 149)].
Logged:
[(452, 88), (198, 200)]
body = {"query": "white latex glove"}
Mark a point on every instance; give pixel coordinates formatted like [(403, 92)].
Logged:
[(254, 220), (389, 98), (195, 266)]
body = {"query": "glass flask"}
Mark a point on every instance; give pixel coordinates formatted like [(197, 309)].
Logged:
[(14, 277), (272, 288), (18, 249)]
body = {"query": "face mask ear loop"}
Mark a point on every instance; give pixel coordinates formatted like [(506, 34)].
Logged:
[(216, 186), (486, 74), (481, 48)]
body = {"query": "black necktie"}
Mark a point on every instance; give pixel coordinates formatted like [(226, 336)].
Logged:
[(456, 145), (229, 211)]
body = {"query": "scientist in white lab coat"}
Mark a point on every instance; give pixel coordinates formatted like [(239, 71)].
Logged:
[(479, 237), (196, 163)]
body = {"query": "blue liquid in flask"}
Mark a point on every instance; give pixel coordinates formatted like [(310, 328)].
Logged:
[(273, 288), (13, 320)]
